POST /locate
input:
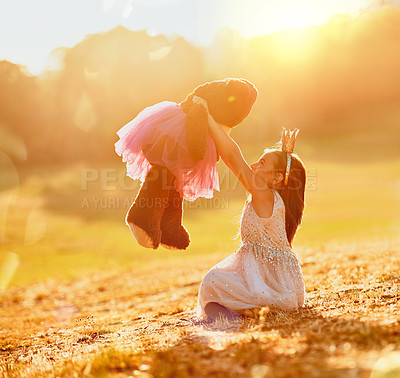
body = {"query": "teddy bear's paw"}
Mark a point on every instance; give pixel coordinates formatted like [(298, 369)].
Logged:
[(169, 247), (175, 238), (141, 236)]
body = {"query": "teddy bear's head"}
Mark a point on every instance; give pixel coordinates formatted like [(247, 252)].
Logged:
[(229, 100)]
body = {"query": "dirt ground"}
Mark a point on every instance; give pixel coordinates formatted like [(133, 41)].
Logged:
[(142, 323)]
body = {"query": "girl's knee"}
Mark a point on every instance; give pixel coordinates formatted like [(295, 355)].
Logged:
[(208, 279)]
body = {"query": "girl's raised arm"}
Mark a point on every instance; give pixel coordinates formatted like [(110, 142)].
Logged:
[(232, 156)]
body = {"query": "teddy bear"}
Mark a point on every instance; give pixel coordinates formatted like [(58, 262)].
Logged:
[(167, 146)]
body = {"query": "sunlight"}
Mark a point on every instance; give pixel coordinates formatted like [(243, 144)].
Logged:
[(290, 23), (263, 17), (250, 19), (293, 16), (293, 44)]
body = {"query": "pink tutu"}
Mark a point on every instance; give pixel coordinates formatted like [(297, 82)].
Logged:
[(159, 132)]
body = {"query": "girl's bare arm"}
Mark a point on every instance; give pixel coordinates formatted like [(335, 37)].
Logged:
[(232, 156)]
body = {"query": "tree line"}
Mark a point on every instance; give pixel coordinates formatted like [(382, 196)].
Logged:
[(312, 78)]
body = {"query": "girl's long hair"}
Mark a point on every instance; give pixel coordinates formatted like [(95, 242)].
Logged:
[(293, 193)]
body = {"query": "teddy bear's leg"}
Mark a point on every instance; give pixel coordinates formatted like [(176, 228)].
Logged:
[(173, 234), (144, 216)]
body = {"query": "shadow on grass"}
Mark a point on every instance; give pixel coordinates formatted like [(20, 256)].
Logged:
[(284, 344)]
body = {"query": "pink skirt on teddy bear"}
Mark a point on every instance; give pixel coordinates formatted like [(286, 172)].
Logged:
[(158, 136)]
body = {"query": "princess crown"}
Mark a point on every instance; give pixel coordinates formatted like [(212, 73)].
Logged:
[(288, 141)]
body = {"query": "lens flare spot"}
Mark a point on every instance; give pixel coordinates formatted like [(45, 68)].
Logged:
[(85, 116), (90, 75), (12, 144), (160, 53), (65, 313), (35, 227), (9, 263), (128, 9), (9, 187), (387, 366)]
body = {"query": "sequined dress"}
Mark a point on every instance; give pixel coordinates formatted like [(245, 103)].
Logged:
[(264, 271)]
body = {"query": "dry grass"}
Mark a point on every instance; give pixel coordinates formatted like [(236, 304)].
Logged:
[(138, 323)]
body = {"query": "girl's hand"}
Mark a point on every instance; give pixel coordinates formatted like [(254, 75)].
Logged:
[(201, 101)]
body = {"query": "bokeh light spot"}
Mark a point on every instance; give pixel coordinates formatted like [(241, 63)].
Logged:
[(9, 263)]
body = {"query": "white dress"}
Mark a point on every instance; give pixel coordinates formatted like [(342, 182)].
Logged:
[(264, 271)]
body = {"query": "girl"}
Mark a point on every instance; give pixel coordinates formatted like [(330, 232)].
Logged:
[(263, 271)]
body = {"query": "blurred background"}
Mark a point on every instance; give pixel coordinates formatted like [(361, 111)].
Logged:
[(71, 75)]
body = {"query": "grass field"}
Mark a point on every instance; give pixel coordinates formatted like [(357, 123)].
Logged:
[(125, 322), (64, 223), (81, 298)]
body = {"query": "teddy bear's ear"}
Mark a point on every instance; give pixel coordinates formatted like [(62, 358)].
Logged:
[(197, 130)]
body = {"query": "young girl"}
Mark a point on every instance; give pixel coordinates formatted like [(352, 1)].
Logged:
[(263, 271)]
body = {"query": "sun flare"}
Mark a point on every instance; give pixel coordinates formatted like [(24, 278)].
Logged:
[(250, 18), (260, 17)]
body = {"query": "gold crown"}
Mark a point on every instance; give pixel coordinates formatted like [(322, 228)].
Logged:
[(289, 139)]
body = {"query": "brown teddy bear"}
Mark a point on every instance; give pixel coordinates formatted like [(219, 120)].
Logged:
[(167, 146)]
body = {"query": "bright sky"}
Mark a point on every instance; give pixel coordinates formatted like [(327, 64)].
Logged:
[(30, 30)]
